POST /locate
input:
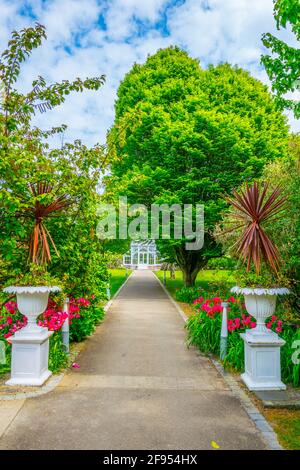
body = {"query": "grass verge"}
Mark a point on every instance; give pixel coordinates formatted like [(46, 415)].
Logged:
[(117, 278)]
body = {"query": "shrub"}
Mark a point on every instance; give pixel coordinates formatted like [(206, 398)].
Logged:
[(223, 262), (83, 324), (187, 294)]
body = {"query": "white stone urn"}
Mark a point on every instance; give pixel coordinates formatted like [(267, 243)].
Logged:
[(30, 345), (262, 346), (260, 303)]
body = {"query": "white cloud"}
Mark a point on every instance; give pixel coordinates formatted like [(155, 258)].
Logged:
[(94, 37)]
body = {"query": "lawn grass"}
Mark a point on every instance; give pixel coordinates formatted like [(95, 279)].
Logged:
[(286, 424), (212, 282), (117, 278)]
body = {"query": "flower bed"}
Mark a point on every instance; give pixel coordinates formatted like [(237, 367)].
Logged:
[(204, 328), (84, 315)]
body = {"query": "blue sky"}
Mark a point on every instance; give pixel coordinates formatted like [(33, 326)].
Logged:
[(94, 37)]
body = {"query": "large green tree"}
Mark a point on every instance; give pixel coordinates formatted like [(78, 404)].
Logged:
[(283, 66), (187, 135)]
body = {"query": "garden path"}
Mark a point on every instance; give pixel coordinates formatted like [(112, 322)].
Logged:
[(138, 387)]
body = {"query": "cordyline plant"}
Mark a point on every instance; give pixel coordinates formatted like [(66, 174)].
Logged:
[(39, 250), (254, 208)]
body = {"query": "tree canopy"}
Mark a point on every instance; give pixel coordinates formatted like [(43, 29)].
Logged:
[(283, 66), (187, 135)]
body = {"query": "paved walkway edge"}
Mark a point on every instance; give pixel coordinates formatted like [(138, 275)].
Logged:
[(254, 414), (109, 303), (54, 380)]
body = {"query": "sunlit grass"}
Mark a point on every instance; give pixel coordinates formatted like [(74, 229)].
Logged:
[(118, 277), (213, 282)]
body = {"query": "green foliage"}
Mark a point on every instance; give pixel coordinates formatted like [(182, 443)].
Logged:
[(85, 325), (209, 283), (4, 368), (37, 276), (57, 356), (187, 135), (204, 332), (286, 229), (187, 294), (290, 371), (223, 262), (283, 65)]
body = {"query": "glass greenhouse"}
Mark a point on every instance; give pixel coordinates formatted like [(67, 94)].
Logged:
[(143, 255)]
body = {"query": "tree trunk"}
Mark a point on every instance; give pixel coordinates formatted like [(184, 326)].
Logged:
[(190, 262), (189, 277)]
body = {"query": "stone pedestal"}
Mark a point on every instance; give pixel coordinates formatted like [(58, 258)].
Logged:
[(30, 357), (262, 361)]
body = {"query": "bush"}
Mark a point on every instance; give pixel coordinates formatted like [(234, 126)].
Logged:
[(84, 325), (187, 294), (223, 262)]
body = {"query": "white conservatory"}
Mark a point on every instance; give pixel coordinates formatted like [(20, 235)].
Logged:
[(143, 255)]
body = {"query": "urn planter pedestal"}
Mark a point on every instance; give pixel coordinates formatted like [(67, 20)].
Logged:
[(262, 362), (262, 346), (30, 345)]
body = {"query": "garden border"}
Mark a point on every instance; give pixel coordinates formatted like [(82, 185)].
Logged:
[(252, 411), (54, 380)]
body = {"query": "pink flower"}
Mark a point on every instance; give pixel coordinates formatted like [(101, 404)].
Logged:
[(217, 308), (231, 299), (273, 318), (75, 365), (246, 320), (9, 320), (7, 335), (278, 329), (11, 307), (205, 307), (198, 301), (253, 324)]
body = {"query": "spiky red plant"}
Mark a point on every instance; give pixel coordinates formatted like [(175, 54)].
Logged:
[(253, 209), (39, 250)]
